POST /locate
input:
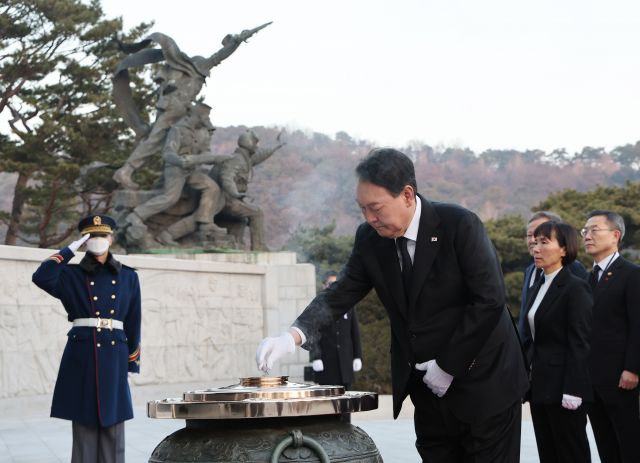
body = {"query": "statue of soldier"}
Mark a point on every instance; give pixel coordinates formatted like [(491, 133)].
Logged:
[(234, 175), (180, 80), (183, 157)]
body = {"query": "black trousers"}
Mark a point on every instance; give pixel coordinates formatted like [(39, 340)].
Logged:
[(561, 434), (97, 444), (442, 438), (615, 419)]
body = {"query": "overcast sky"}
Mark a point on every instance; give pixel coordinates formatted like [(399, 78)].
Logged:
[(482, 74)]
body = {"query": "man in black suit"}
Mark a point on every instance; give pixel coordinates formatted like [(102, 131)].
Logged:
[(338, 353), (532, 273), (615, 344), (454, 350)]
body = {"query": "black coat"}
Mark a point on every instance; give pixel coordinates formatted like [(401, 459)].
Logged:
[(339, 345), (576, 268), (558, 355), (456, 312), (615, 344)]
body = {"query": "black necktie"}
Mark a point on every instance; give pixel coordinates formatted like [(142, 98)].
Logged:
[(593, 278), (407, 265)]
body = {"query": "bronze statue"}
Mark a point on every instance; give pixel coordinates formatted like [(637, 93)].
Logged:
[(179, 81), (186, 149), (234, 175)]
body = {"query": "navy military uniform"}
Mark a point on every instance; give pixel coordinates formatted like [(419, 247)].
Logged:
[(92, 387)]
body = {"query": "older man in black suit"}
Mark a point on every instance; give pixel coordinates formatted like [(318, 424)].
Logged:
[(615, 343), (454, 350)]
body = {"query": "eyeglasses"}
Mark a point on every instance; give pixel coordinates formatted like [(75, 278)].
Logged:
[(594, 230)]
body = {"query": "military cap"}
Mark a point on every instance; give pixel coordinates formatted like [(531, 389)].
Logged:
[(97, 224)]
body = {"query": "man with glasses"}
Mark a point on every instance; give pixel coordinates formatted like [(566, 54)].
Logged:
[(531, 273), (615, 345)]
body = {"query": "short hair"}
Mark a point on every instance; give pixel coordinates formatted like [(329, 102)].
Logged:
[(545, 215), (328, 274), (614, 220), (388, 168), (565, 234)]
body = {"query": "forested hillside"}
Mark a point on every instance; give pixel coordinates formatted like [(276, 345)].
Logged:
[(311, 181)]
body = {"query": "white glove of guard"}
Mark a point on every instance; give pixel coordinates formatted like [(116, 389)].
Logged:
[(272, 348), (435, 378), (357, 364), (571, 402), (317, 365), (74, 246)]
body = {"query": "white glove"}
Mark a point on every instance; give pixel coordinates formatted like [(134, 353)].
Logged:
[(317, 365), (435, 378), (571, 402), (357, 364), (272, 348), (74, 246)]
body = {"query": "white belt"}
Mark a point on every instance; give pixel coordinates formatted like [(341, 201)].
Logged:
[(109, 323)]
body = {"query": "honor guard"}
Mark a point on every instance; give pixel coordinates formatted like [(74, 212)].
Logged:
[(102, 299)]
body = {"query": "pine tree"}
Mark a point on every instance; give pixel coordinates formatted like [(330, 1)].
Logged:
[(56, 62)]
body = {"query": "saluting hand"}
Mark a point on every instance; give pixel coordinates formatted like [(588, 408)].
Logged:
[(74, 246)]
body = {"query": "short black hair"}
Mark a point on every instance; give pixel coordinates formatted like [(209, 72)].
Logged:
[(388, 168), (614, 220), (328, 274), (565, 234)]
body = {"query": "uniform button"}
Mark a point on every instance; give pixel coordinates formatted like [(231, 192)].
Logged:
[(113, 282), (91, 283), (113, 296), (112, 311), (99, 329), (98, 344), (113, 343), (95, 298), (97, 312), (338, 346)]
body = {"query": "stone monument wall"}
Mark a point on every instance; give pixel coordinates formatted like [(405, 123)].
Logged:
[(202, 317)]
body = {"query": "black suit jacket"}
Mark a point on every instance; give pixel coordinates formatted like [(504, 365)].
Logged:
[(456, 312), (339, 345), (576, 268), (559, 353), (615, 344)]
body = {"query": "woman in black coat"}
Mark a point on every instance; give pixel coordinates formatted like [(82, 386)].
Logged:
[(556, 342)]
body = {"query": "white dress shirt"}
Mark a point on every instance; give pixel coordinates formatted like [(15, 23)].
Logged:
[(411, 234), (536, 303)]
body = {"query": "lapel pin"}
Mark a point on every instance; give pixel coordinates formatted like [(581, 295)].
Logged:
[(609, 274), (434, 239)]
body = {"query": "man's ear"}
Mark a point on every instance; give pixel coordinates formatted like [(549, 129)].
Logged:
[(409, 194)]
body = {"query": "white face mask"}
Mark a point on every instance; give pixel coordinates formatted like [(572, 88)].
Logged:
[(97, 246)]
